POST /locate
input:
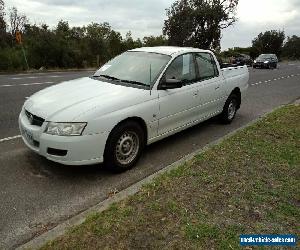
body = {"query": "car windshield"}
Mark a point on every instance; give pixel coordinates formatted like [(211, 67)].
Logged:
[(141, 68), (264, 57)]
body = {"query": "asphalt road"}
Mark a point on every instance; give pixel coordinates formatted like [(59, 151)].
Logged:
[(36, 194)]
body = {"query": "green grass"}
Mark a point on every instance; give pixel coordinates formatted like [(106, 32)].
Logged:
[(249, 183)]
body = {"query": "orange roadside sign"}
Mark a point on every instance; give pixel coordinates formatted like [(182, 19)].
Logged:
[(19, 37)]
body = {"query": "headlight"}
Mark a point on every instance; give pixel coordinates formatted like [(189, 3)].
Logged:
[(65, 129), (266, 61), (254, 61)]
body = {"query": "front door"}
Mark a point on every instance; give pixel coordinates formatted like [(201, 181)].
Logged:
[(178, 107)]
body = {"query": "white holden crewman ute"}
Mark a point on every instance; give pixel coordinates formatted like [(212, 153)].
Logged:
[(137, 98)]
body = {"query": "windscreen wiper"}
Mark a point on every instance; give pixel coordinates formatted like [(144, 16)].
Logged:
[(108, 77), (135, 82)]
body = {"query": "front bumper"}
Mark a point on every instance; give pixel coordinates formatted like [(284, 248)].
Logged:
[(79, 150)]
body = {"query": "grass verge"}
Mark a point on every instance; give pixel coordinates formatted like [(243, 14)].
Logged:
[(249, 183)]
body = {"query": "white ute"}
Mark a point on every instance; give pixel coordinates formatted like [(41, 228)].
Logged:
[(137, 98)]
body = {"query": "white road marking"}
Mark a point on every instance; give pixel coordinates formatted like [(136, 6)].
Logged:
[(35, 83), (275, 79), (25, 84), (22, 78), (55, 76), (10, 138)]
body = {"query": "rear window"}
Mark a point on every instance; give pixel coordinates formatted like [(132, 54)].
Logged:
[(206, 66)]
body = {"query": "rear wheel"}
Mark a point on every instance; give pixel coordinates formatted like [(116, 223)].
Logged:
[(124, 146), (230, 109)]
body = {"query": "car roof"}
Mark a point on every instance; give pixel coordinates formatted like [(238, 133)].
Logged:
[(168, 50)]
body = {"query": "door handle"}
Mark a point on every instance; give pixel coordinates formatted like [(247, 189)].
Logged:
[(216, 88), (195, 93)]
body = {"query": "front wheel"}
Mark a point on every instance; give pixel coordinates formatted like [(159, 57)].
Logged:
[(124, 146), (230, 109)]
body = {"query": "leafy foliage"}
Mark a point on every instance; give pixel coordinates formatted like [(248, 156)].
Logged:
[(291, 48), (268, 42), (198, 23), (3, 25), (2, 14), (64, 46), (236, 51), (151, 41)]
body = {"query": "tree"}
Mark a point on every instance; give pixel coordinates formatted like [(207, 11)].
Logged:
[(17, 21), (130, 43), (291, 49), (199, 23), (151, 41), (2, 17), (236, 51), (3, 35), (115, 43), (268, 42)]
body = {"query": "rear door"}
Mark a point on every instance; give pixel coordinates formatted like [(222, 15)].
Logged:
[(210, 85)]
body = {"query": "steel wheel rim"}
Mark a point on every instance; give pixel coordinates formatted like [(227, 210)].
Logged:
[(127, 147), (231, 109)]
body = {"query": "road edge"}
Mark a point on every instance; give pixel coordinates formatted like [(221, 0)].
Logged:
[(78, 219)]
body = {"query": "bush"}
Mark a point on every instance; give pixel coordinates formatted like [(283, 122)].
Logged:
[(12, 59)]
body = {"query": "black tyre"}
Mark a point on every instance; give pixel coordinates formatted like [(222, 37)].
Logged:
[(230, 109), (124, 146)]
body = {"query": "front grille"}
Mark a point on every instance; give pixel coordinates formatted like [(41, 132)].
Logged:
[(33, 119)]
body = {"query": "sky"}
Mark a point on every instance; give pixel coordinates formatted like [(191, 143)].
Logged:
[(146, 17)]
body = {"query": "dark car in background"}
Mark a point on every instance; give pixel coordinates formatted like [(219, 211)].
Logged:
[(242, 59), (266, 61)]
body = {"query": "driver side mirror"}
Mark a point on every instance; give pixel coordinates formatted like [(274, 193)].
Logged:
[(171, 84)]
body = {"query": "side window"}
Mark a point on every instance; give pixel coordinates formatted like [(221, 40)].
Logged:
[(182, 68), (206, 66)]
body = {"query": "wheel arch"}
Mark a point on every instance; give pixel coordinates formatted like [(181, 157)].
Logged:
[(136, 119), (238, 93)]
